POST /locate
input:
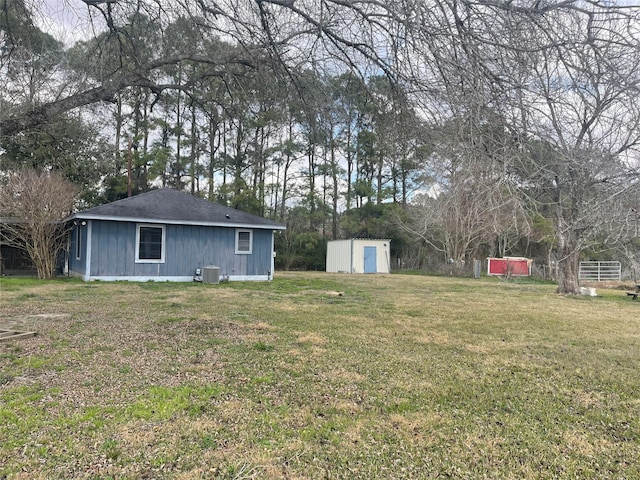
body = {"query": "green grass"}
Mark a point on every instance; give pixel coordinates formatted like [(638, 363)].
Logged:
[(319, 376)]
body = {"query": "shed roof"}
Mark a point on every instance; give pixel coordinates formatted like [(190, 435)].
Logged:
[(361, 238), (174, 207)]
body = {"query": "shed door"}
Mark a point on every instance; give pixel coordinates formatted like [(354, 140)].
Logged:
[(370, 260)]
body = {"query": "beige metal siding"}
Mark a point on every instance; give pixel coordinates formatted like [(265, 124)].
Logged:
[(382, 254), (339, 256), (348, 255), (384, 257), (358, 255)]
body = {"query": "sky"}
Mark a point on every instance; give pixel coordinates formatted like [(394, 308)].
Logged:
[(66, 20)]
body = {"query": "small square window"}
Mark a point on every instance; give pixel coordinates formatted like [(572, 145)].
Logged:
[(150, 244), (244, 240)]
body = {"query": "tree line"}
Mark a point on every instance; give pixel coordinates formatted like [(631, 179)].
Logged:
[(459, 129)]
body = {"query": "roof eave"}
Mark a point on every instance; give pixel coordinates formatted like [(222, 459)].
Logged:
[(81, 216)]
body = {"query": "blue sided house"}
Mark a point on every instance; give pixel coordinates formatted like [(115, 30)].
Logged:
[(167, 235)]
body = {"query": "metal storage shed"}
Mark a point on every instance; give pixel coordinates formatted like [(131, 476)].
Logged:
[(359, 255)]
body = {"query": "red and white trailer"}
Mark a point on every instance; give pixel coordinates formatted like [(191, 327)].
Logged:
[(509, 266)]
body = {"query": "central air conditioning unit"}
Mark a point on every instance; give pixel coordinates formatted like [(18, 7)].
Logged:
[(211, 274)]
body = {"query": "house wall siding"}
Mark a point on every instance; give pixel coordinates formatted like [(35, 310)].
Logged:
[(187, 247), (77, 266)]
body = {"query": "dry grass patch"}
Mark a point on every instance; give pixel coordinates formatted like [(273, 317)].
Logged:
[(312, 339), (435, 338)]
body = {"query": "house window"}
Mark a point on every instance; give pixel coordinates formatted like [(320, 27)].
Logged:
[(150, 244), (244, 241), (78, 242)]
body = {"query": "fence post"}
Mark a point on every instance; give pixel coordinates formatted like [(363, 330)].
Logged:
[(477, 266)]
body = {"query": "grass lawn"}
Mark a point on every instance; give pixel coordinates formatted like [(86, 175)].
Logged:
[(397, 376)]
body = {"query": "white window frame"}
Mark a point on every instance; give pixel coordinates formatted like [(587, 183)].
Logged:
[(162, 249), (244, 252), (78, 241)]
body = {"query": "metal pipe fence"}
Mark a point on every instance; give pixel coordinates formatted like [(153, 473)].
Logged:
[(600, 271)]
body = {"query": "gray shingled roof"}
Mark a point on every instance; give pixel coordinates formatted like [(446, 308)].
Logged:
[(171, 206)]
